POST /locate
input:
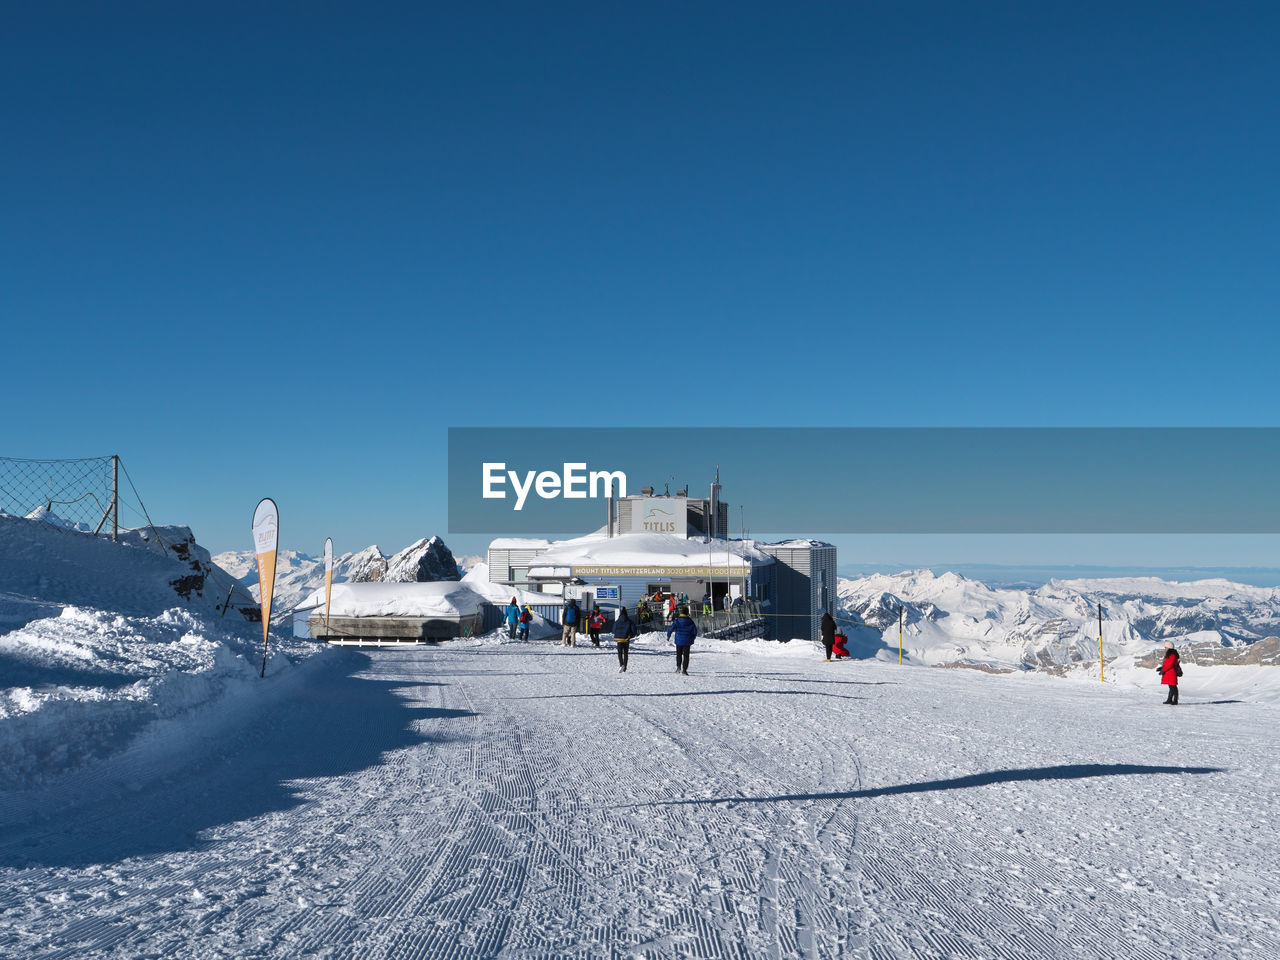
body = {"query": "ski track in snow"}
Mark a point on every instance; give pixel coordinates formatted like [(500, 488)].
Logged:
[(528, 801)]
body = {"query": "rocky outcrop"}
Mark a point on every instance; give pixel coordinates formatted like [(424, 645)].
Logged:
[(366, 566), (426, 561), (1265, 652)]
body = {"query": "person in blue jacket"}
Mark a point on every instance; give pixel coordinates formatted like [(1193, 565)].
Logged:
[(685, 631), (512, 618), (569, 621)]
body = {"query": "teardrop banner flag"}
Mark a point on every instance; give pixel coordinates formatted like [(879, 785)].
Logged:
[(266, 537), (328, 576)]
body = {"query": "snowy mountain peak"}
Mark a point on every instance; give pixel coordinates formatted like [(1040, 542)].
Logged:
[(366, 566), (426, 560)]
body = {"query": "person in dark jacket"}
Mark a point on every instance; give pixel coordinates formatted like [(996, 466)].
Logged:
[(1170, 670), (569, 621), (512, 618), (828, 628), (685, 631), (624, 628)]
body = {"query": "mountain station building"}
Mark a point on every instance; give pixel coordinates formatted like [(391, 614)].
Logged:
[(679, 545)]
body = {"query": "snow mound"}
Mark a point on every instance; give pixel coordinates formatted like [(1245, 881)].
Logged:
[(99, 640), (83, 684), (43, 566)]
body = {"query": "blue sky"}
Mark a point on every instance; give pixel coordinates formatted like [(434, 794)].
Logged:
[(278, 249)]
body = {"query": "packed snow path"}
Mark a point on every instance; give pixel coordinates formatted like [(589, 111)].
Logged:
[(530, 801)]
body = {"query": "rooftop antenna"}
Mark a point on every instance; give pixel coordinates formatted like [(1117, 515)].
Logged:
[(667, 492)]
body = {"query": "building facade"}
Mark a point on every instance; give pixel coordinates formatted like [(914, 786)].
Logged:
[(659, 543), (806, 586)]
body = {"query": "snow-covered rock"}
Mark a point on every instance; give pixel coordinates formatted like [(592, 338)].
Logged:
[(424, 561), (364, 566), (43, 565)]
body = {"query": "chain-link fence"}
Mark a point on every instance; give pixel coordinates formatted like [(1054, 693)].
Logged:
[(78, 494), (96, 495)]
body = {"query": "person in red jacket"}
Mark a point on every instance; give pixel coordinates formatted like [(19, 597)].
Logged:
[(1170, 670), (595, 623), (838, 648)]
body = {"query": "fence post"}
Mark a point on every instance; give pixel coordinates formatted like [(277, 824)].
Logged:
[(227, 602), (115, 496)]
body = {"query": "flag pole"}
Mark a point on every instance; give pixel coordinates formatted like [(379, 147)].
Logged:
[(1102, 677)]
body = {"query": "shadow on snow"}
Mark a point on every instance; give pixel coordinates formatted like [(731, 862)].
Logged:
[(1070, 771), (18, 672), (333, 723)]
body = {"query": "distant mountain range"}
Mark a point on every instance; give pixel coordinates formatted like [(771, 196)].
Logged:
[(298, 575), (950, 619)]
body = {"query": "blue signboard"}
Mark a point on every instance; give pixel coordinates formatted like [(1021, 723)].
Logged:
[(605, 593)]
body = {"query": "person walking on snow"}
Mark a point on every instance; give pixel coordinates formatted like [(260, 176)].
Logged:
[(839, 650), (595, 623), (624, 628), (569, 621), (526, 618), (685, 630), (1170, 670), (512, 617), (828, 628)]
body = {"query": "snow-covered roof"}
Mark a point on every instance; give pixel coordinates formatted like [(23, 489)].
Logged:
[(449, 598), (651, 549), (519, 543)]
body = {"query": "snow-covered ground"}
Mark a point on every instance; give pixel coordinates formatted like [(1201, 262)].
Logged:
[(486, 799)]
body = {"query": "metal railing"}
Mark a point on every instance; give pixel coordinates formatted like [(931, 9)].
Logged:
[(709, 622)]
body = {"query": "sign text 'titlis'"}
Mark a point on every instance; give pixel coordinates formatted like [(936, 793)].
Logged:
[(573, 482)]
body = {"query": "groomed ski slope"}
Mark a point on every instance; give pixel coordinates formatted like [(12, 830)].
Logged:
[(524, 800)]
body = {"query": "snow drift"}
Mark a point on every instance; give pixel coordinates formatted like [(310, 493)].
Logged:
[(101, 639)]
